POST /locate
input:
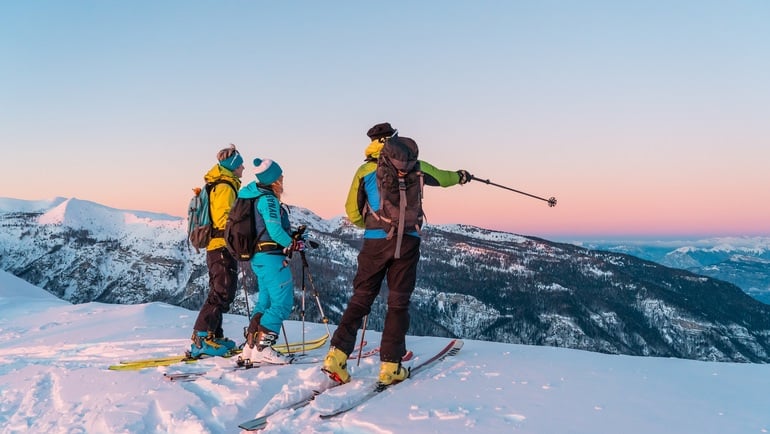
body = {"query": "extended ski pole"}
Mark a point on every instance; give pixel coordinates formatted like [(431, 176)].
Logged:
[(551, 201)]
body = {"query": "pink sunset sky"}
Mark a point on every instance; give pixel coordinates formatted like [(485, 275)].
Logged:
[(642, 119)]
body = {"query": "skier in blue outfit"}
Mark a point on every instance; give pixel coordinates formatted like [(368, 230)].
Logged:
[(274, 242)]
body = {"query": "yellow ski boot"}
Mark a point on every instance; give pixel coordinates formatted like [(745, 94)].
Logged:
[(336, 365), (392, 372)]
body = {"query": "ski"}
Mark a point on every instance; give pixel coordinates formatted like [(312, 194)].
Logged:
[(182, 376), (192, 376), (161, 361), (259, 423), (298, 360), (450, 350), (134, 365), (295, 347)]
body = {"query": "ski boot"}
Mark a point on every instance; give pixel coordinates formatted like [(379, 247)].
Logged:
[(244, 359), (392, 372), (262, 350), (226, 342), (205, 344), (336, 365)]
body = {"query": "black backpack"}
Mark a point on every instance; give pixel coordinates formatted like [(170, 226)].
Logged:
[(240, 230), (400, 183)]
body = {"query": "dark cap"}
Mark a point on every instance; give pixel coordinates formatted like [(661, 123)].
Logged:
[(380, 131)]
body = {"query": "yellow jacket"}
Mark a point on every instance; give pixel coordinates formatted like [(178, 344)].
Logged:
[(221, 199)]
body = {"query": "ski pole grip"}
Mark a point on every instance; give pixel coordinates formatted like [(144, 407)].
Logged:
[(299, 232)]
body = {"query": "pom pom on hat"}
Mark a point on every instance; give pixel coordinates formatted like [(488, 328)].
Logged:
[(267, 171)]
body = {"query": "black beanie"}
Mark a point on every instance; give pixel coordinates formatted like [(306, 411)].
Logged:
[(380, 131)]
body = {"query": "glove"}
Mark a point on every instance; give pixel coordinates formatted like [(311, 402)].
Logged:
[(465, 176), (297, 243), (299, 233), (296, 246)]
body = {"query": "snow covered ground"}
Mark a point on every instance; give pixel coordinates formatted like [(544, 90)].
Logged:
[(54, 379)]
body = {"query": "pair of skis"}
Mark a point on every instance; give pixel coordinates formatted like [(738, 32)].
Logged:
[(302, 359), (135, 365), (259, 423)]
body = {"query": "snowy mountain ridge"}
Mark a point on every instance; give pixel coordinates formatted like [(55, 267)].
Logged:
[(472, 283), (742, 261)]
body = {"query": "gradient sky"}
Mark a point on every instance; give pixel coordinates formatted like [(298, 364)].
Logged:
[(642, 118)]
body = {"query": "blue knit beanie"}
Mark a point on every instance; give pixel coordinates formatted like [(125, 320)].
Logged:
[(267, 171)]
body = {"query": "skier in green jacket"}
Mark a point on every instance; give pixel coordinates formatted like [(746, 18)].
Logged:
[(378, 260)]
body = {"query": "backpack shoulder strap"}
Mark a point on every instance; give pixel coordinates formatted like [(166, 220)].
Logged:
[(210, 186), (265, 245)]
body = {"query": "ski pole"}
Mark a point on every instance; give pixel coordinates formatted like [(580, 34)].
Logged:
[(242, 276), (551, 201), (286, 339), (302, 311), (361, 347), (243, 285), (306, 270)]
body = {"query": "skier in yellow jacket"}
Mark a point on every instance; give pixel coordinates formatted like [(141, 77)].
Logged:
[(208, 337)]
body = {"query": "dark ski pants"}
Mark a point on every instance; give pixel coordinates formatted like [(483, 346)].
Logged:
[(223, 281), (375, 263)]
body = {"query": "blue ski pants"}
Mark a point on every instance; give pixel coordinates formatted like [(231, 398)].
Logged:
[(276, 290)]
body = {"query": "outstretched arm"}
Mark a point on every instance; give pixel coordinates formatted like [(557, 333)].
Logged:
[(442, 178)]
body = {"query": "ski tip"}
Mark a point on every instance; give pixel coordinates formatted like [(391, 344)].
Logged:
[(455, 347)]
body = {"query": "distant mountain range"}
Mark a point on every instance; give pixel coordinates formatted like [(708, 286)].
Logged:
[(743, 261), (472, 283)]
